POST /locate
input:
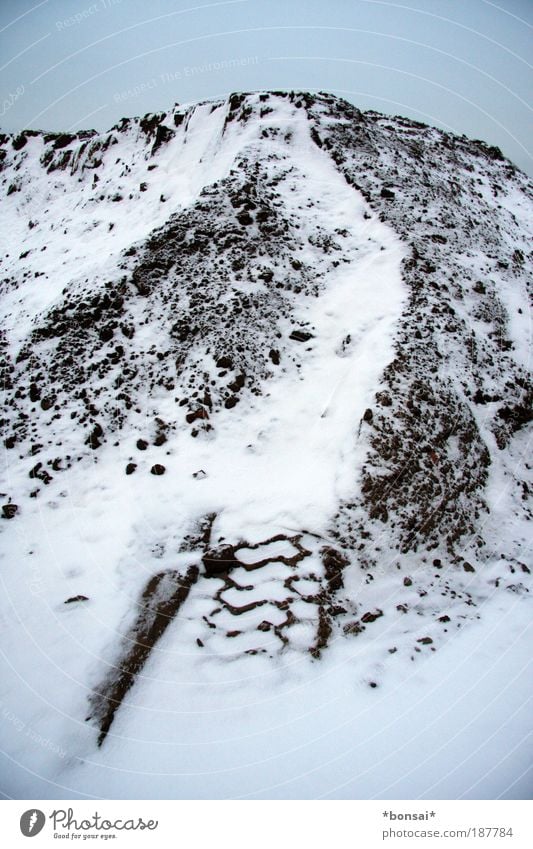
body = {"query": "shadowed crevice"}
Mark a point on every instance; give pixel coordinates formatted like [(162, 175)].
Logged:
[(160, 602)]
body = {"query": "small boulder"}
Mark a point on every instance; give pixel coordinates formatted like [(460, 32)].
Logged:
[(371, 616), (225, 362), (219, 560), (300, 336)]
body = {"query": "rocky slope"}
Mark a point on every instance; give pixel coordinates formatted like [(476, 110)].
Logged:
[(265, 372)]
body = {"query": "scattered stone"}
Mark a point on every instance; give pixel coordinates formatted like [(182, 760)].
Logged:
[(76, 598), (301, 336), (130, 468), (158, 469), (353, 628), (334, 564), (94, 438), (384, 399), (225, 362), (9, 511), (220, 560), (372, 616)]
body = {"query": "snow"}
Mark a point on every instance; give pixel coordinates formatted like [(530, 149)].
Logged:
[(205, 719), (454, 725)]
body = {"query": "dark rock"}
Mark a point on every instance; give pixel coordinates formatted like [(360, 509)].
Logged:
[(158, 469), (142, 444), (220, 560), (76, 598), (353, 628), (19, 142), (225, 362), (201, 413), (301, 336), (162, 136), (93, 440), (371, 616), (106, 334), (368, 416), (48, 403), (387, 194), (334, 563), (9, 511), (245, 219), (35, 393), (63, 140), (39, 473), (468, 567), (130, 468), (238, 383), (384, 399)]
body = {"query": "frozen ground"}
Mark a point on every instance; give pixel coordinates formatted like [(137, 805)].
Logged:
[(337, 409)]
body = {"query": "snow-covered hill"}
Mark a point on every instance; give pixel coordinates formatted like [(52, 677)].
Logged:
[(266, 396)]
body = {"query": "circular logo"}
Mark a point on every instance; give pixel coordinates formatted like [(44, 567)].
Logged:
[(32, 822)]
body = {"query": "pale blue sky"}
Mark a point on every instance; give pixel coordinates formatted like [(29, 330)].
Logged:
[(464, 65)]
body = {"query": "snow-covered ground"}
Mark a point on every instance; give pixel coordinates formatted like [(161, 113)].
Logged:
[(240, 697), (454, 725)]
